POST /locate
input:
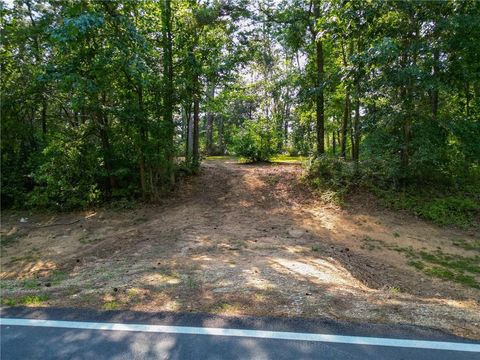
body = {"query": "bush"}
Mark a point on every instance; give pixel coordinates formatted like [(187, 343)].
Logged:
[(333, 173), (68, 175), (256, 141)]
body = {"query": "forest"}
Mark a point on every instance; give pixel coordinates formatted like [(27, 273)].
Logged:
[(104, 101)]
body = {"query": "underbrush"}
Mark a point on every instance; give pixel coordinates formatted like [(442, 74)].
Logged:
[(444, 205)]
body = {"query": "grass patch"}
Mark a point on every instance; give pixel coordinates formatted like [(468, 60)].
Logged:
[(190, 282), (460, 269), (7, 240), (456, 268), (416, 264), (443, 210), (225, 307), (110, 305), (453, 262), (315, 248), (440, 272), (29, 283), (371, 244), (9, 302), (283, 158), (473, 244), (57, 276), (25, 300), (221, 157)]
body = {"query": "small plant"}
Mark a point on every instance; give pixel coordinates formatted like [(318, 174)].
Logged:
[(57, 276), (394, 290), (9, 302), (29, 283), (416, 264), (256, 141), (110, 305), (473, 244), (33, 299), (315, 248)]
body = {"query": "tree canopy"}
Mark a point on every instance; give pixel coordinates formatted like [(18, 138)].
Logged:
[(103, 100)]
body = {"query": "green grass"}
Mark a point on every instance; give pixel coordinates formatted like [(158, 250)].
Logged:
[(9, 302), (453, 262), (25, 300), (281, 158), (57, 276), (416, 264), (6, 240), (221, 157), (473, 244), (30, 283), (110, 305), (443, 210), (457, 268)]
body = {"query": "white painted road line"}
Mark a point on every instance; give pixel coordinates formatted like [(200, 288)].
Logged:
[(262, 334)]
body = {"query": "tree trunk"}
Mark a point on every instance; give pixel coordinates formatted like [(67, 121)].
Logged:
[(221, 145), (320, 119), (168, 88), (106, 147), (334, 143), (143, 140), (436, 56), (44, 116), (209, 127), (346, 112), (196, 120), (189, 145)]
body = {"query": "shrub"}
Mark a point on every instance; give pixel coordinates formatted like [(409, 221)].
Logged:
[(67, 177), (332, 173), (255, 141)]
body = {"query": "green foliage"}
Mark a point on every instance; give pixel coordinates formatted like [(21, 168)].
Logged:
[(255, 141), (332, 173), (340, 176), (68, 176), (459, 210), (110, 305)]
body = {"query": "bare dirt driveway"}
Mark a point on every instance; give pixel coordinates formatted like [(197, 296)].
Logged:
[(246, 239)]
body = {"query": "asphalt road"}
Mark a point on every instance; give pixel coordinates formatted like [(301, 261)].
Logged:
[(84, 334)]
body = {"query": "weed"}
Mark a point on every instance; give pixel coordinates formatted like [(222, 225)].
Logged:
[(29, 283), (110, 305), (394, 290), (132, 292), (453, 262), (33, 299), (6, 240), (226, 307), (473, 244), (316, 248), (57, 276), (371, 244), (396, 234), (416, 264), (440, 272), (190, 282), (9, 302)]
